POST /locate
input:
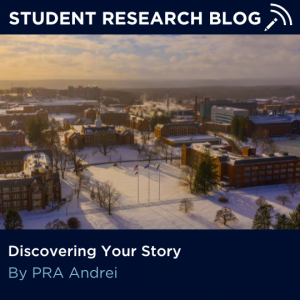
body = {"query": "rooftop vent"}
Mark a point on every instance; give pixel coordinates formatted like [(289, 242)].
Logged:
[(270, 154)]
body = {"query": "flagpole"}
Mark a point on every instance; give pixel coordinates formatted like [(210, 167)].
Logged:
[(149, 185), (159, 183)]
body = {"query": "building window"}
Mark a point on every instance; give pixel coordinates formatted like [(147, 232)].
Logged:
[(254, 173), (238, 175), (290, 175), (24, 188), (269, 166), (247, 169), (283, 165), (254, 179), (247, 174), (262, 178), (297, 174), (290, 170), (238, 169), (261, 172), (269, 172), (262, 167), (36, 196), (36, 188), (16, 189), (269, 177), (276, 171), (237, 181), (276, 166), (276, 177), (283, 176), (254, 168), (6, 197), (24, 195), (283, 170), (36, 203), (6, 190), (24, 202), (16, 196), (246, 179), (290, 164)]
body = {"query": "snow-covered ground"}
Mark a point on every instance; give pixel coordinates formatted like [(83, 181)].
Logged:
[(163, 214), (291, 146), (60, 117)]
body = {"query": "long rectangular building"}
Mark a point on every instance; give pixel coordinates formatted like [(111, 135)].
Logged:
[(248, 169)]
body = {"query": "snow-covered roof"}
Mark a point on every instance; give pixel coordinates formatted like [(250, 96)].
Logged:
[(279, 118)]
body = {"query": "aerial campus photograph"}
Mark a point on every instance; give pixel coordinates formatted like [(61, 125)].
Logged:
[(149, 132)]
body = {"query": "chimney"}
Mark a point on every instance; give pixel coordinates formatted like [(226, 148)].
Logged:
[(195, 114), (204, 100)]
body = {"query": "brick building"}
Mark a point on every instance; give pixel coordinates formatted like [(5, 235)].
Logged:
[(35, 187), (90, 135), (12, 138), (138, 123), (276, 125), (164, 130), (248, 169), (90, 113)]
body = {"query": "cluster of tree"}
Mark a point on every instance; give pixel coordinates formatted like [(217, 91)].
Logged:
[(158, 119), (35, 131), (263, 218), (225, 216), (165, 151), (105, 194), (238, 128), (186, 206), (72, 223), (202, 178), (112, 118), (260, 138), (13, 220)]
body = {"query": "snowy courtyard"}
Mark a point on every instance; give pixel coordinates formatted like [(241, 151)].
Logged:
[(153, 214)]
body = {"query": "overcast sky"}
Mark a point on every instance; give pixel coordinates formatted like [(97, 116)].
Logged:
[(29, 57)]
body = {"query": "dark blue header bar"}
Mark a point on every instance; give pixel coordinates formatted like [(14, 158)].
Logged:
[(155, 17)]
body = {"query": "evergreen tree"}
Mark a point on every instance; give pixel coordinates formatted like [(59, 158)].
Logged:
[(295, 218), (242, 130), (206, 177), (32, 131), (282, 222), (235, 126), (263, 217), (13, 220)]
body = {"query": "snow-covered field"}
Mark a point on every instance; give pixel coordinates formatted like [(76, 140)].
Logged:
[(155, 214)]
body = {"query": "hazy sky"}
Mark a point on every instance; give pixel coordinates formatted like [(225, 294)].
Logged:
[(28, 57)]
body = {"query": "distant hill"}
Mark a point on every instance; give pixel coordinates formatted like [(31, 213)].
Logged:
[(144, 84)]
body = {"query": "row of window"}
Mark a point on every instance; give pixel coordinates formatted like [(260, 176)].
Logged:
[(14, 189), (14, 203), (8, 163), (268, 167), (268, 172), (262, 178)]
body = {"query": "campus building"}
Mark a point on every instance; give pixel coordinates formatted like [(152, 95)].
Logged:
[(173, 129), (34, 184), (91, 135), (224, 114), (248, 169), (12, 138), (275, 124), (138, 123), (88, 92), (207, 105)]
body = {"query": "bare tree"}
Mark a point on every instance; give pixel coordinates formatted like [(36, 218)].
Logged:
[(187, 177), (260, 201), (162, 148), (225, 215), (81, 184), (105, 143), (144, 138), (186, 205), (63, 159), (293, 187), (92, 194), (172, 154), (138, 147), (76, 158), (107, 195), (57, 224), (148, 154), (283, 199)]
